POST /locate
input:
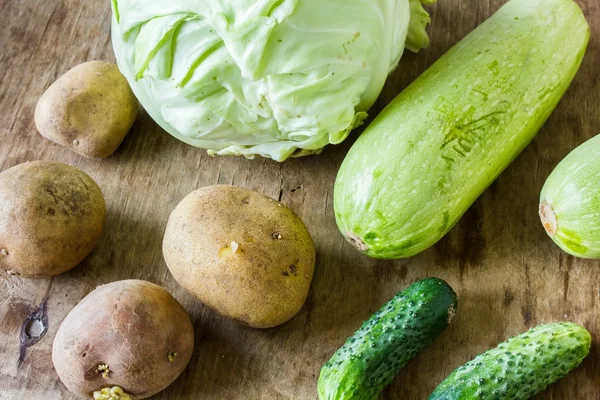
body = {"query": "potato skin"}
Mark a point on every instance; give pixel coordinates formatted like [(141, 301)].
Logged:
[(89, 109), (131, 326), (51, 217), (241, 253)]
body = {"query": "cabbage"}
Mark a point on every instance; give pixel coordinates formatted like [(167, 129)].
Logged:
[(277, 78)]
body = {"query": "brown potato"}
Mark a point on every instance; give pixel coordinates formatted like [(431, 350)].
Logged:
[(131, 336), (90, 109), (51, 218), (243, 254)]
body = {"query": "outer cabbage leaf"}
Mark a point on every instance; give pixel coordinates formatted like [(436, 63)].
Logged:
[(277, 78), (417, 38)]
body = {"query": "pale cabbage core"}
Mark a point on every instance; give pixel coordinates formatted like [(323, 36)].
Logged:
[(277, 78)]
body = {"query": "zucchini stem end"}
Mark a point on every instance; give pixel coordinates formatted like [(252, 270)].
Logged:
[(548, 217)]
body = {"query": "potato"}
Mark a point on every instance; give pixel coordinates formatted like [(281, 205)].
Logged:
[(51, 218), (89, 109), (129, 336), (243, 254)]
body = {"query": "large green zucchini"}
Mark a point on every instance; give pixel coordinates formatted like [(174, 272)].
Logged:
[(570, 202), (427, 157)]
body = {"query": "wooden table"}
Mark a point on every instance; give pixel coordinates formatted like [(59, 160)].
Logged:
[(507, 272)]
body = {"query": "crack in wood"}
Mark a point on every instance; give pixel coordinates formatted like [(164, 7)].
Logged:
[(34, 326)]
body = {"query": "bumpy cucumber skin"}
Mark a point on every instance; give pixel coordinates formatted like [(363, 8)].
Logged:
[(427, 157), (520, 367), (573, 193), (370, 359)]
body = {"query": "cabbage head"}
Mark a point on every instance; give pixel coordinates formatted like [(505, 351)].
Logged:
[(277, 78)]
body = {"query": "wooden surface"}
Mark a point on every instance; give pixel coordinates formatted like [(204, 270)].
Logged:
[(507, 272)]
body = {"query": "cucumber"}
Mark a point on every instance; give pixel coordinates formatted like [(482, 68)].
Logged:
[(427, 157), (520, 367), (570, 202), (370, 359)]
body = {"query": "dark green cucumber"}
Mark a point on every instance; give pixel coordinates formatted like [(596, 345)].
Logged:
[(370, 359), (520, 367)]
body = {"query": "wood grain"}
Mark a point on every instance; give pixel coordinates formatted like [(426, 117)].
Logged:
[(508, 274)]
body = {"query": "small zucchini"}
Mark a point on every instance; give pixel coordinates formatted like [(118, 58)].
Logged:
[(370, 359), (520, 367), (429, 155), (570, 202)]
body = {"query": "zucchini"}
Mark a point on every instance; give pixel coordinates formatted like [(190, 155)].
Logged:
[(427, 157), (570, 202), (370, 359), (520, 367)]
